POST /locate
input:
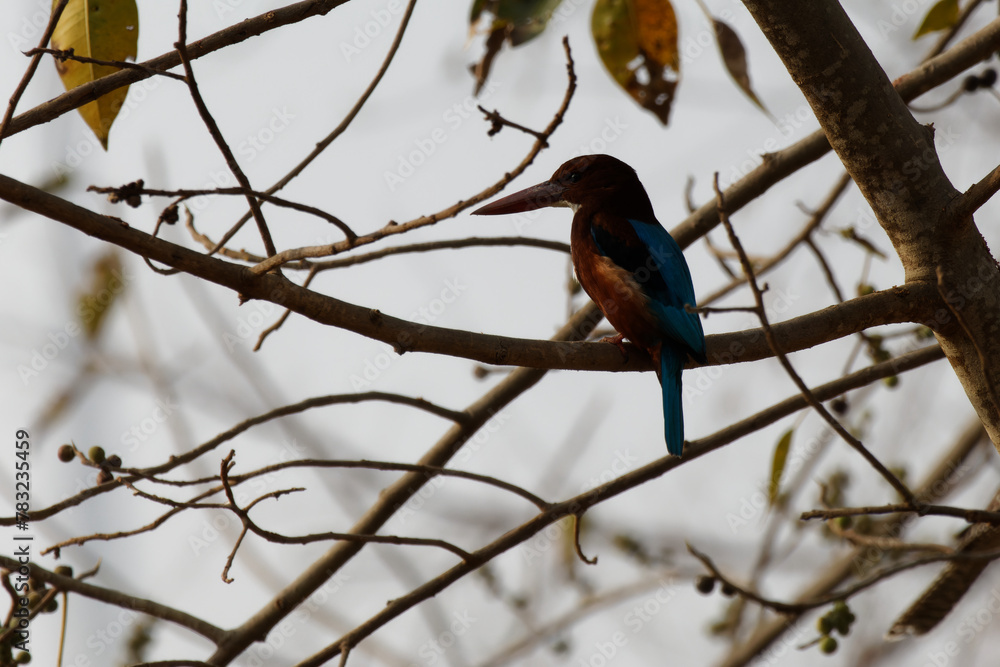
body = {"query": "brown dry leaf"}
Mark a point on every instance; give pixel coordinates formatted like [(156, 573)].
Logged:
[(734, 56)]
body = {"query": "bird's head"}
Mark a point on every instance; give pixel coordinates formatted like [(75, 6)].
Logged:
[(588, 180)]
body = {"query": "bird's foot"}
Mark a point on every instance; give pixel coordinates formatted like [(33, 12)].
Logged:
[(617, 341)]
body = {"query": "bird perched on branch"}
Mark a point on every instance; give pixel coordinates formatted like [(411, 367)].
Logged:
[(628, 264)]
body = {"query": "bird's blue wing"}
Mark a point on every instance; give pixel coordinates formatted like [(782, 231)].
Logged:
[(668, 260), (658, 264)]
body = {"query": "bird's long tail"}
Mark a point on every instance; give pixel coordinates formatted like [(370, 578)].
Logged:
[(671, 366)]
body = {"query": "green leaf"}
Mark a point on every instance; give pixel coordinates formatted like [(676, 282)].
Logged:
[(104, 30), (637, 42), (943, 15), (778, 465), (513, 21)]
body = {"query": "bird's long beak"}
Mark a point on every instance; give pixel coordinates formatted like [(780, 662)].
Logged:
[(537, 196)]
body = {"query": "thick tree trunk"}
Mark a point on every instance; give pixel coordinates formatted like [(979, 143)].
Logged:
[(893, 160)]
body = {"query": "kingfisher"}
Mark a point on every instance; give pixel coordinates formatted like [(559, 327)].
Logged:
[(629, 265)]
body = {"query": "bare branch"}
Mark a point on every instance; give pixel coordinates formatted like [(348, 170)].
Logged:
[(213, 129), (806, 393), (119, 599), (5, 124)]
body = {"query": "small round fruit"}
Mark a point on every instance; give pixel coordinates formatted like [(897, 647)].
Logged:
[(828, 645), (96, 454), (705, 584), (104, 477), (728, 590), (114, 461), (824, 625), (64, 570), (66, 453)]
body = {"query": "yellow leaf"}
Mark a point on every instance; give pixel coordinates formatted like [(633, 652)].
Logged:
[(778, 465), (941, 16), (103, 30), (656, 32), (637, 42)]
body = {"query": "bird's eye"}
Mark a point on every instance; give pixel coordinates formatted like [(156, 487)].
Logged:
[(573, 177)]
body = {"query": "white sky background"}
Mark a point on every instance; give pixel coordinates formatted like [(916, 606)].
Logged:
[(569, 429)]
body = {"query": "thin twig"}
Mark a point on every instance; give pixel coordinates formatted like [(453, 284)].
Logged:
[(962, 207), (815, 220), (278, 323), (337, 131), (577, 520), (119, 599), (450, 244), (213, 129), (949, 34), (831, 279), (971, 516), (57, 11), (399, 228), (883, 543), (185, 194), (70, 54), (776, 348), (248, 523), (850, 591), (497, 123)]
